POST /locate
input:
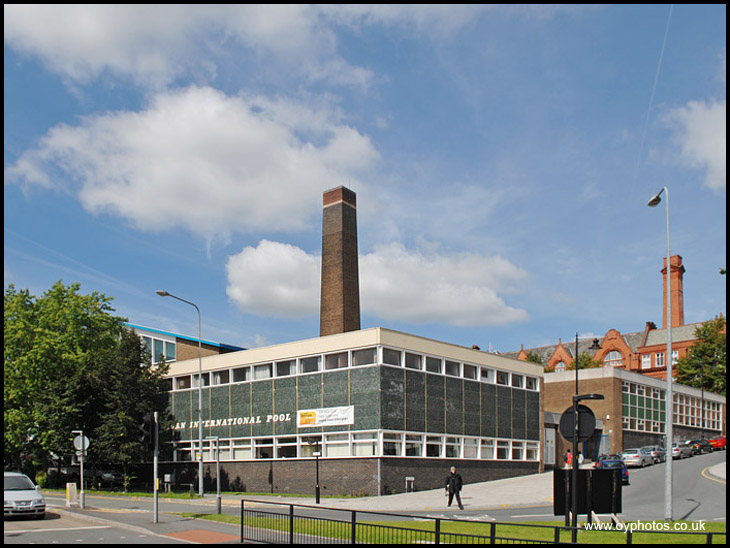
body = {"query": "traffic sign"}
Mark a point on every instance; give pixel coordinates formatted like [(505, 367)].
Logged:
[(586, 423), (81, 443)]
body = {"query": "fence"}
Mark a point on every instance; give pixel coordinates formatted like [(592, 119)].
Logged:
[(282, 523)]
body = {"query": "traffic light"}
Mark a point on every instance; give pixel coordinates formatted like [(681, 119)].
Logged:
[(146, 431)]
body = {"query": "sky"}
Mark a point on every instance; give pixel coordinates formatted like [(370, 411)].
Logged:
[(502, 156)]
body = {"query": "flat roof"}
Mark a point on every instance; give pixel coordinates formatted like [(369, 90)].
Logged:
[(353, 340)]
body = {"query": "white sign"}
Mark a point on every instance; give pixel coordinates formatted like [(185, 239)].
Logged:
[(81, 443), (328, 416)]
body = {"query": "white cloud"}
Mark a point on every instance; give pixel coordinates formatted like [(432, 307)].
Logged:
[(155, 44), (700, 131), (199, 159), (274, 279), (281, 280)]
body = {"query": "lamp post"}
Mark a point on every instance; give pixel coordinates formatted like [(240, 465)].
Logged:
[(668, 403), (217, 472), (201, 492)]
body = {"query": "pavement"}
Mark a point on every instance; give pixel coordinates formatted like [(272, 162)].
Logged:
[(524, 491)]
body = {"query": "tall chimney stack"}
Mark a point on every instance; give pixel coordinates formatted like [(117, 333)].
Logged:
[(340, 298), (676, 271)]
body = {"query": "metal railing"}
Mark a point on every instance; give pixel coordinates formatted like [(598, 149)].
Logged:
[(282, 523)]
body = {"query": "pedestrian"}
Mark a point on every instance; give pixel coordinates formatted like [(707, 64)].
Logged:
[(580, 458), (568, 459), (454, 484)]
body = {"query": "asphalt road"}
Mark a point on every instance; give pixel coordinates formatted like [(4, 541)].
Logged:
[(696, 497)]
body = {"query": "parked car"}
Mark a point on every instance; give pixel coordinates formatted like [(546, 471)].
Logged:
[(718, 444), (613, 462), (22, 497), (681, 451), (699, 446), (637, 457), (658, 454)]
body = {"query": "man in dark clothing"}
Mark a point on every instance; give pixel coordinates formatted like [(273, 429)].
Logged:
[(453, 487)]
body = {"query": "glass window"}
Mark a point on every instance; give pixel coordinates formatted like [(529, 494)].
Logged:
[(531, 383), (159, 353), (221, 377), (364, 444), (517, 450), (286, 448), (503, 378), (262, 371), (532, 451), (453, 446), (182, 383), (487, 449), (414, 445), (337, 445), (502, 450), (311, 364), (310, 444), (366, 356), (206, 380), (453, 368), (241, 374), (413, 361), (264, 448), (487, 375), (517, 380), (613, 359), (433, 365), (433, 446), (392, 444), (391, 357), (646, 361), (659, 359), (170, 351), (335, 361), (286, 368), (470, 372), (471, 448)]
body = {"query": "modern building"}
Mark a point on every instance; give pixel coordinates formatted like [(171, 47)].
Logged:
[(377, 411), (170, 347), (633, 412)]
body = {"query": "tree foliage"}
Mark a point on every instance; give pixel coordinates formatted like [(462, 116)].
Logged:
[(69, 365), (705, 364)]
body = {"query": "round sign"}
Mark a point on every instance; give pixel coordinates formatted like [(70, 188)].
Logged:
[(586, 423), (81, 443)]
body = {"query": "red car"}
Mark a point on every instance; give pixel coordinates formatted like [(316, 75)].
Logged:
[(718, 443)]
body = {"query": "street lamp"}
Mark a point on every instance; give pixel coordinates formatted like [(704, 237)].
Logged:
[(201, 492), (668, 403)]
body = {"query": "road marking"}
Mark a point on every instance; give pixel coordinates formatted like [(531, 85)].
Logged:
[(57, 529), (709, 477)]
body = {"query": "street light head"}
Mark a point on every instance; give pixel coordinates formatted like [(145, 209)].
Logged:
[(162, 293), (656, 198)]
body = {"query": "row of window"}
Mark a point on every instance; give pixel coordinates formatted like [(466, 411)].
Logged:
[(646, 359), (159, 349), (363, 444), (355, 358), (644, 409)]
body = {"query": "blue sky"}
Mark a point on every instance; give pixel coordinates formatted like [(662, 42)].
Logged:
[(502, 158)]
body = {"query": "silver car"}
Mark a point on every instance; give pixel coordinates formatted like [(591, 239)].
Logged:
[(681, 451), (658, 454), (22, 497), (637, 457)]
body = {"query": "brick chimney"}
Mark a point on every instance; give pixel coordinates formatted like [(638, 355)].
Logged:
[(340, 298), (676, 271)]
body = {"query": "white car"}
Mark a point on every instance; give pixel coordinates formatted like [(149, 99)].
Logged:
[(637, 457), (22, 497)]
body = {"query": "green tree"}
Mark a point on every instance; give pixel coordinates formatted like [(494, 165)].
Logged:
[(70, 364), (705, 363)]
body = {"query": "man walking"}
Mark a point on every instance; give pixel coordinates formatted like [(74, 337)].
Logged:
[(453, 487)]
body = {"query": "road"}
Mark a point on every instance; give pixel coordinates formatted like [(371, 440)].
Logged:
[(696, 497)]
